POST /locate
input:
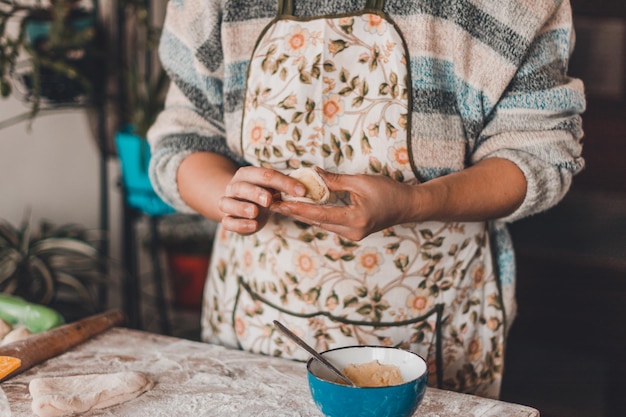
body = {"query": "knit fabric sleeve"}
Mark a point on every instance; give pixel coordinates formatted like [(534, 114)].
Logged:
[(536, 123), (193, 118)]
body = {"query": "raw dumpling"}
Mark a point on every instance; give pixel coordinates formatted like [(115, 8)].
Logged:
[(5, 328), (317, 191), (18, 333)]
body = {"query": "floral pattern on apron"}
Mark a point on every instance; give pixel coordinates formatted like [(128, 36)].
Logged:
[(334, 91)]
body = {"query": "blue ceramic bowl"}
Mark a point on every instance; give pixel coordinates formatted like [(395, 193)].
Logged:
[(337, 400)]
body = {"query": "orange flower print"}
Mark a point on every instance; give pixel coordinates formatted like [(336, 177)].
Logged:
[(475, 349), (419, 302), (478, 275), (298, 40), (223, 235), (368, 261), (306, 263), (493, 323), (373, 129), (329, 83), (332, 302), (374, 23), (332, 107), (346, 21), (257, 132), (240, 327), (399, 156), (248, 261)]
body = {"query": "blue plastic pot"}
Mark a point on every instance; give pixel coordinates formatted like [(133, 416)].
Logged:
[(134, 155)]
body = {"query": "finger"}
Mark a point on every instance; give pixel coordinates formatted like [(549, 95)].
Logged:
[(246, 191), (312, 213), (348, 232), (336, 182), (238, 208), (238, 225), (270, 179)]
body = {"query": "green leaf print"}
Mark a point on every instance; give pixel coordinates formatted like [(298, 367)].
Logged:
[(281, 124), (350, 300), (337, 45), (375, 57), (347, 27), (365, 88), (312, 295), (365, 309), (329, 66), (297, 117), (401, 262), (384, 89), (344, 75), (306, 237), (338, 159), (345, 135), (287, 103), (366, 147), (377, 295), (361, 291), (348, 150), (375, 166), (426, 233)]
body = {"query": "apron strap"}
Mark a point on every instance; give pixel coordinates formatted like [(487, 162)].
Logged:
[(375, 4), (285, 7)]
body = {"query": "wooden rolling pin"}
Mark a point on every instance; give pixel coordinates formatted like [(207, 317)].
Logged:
[(40, 347)]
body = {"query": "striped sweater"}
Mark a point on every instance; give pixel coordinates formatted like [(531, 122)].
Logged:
[(489, 80)]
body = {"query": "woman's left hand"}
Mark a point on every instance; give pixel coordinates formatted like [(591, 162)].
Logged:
[(376, 202)]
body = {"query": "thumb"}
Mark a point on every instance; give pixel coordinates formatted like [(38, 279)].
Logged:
[(334, 181)]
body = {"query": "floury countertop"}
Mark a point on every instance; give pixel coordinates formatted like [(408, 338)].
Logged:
[(197, 379)]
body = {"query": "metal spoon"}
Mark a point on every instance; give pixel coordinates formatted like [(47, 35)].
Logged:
[(312, 351)]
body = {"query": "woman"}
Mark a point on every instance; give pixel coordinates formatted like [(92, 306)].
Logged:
[(432, 122)]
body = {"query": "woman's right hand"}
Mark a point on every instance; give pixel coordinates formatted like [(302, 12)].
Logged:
[(249, 194)]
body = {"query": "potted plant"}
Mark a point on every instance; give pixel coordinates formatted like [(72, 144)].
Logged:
[(48, 49), (55, 266), (187, 241)]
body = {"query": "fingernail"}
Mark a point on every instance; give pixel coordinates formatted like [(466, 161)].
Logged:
[(249, 211), (264, 200), (300, 190), (283, 209)]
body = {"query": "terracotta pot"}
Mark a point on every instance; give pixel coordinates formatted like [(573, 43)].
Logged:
[(187, 276)]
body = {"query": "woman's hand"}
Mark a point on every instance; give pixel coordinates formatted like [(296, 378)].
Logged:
[(491, 189), (250, 193), (376, 202), (212, 185)]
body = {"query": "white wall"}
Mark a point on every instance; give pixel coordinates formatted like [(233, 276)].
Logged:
[(53, 169)]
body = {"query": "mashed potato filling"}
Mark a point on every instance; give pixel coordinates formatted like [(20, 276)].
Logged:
[(373, 374)]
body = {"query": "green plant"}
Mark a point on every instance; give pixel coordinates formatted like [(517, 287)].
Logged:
[(50, 264), (46, 62), (145, 81)]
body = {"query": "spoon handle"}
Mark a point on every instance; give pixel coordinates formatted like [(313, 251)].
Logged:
[(312, 351)]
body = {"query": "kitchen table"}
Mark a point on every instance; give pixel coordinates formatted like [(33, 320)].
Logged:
[(198, 379)]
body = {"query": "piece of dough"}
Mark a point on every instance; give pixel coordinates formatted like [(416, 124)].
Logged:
[(18, 333), (59, 396), (317, 191), (5, 328)]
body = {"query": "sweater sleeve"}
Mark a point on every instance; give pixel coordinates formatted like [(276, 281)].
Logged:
[(193, 118), (536, 123)]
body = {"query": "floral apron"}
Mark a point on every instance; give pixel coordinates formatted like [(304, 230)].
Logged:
[(334, 92)]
